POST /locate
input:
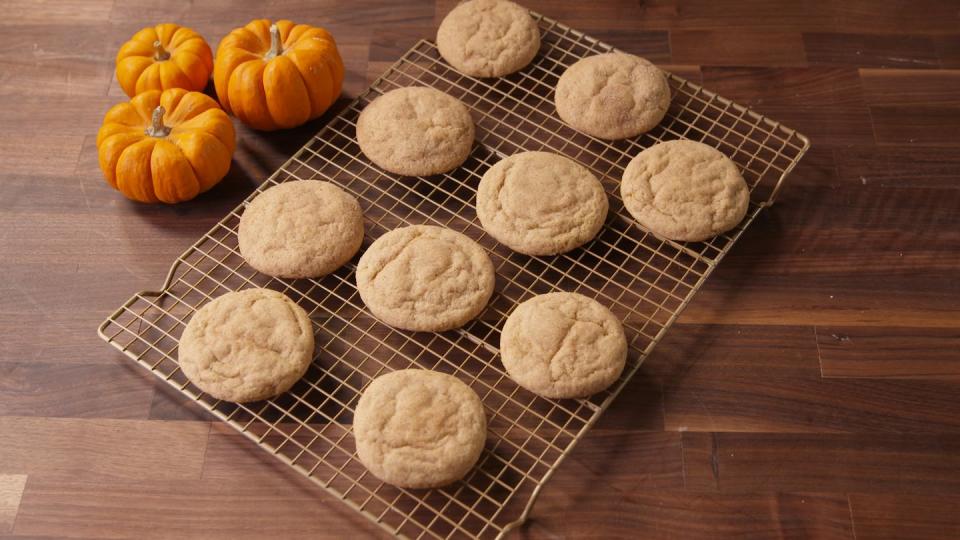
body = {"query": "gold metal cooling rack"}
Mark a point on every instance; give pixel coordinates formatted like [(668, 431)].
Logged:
[(646, 281)]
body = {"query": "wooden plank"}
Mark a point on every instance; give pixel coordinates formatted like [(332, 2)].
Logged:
[(737, 48), (11, 491), (917, 125), (871, 209), (870, 50), (94, 449), (621, 458), (639, 406), (688, 72), (858, 308), (231, 458), (894, 166), (654, 45), (804, 515), (329, 13), (751, 14), (62, 286), (169, 404), (687, 15), (37, 313), (390, 43), (714, 350), (701, 463), (886, 516), (40, 336), (868, 16), (826, 126), (79, 115), (70, 390), (55, 60), (678, 514), (895, 16), (629, 460), (64, 11), (889, 353), (785, 272), (756, 378), (178, 236), (911, 86), (948, 49), (800, 87), (42, 155), (111, 508), (817, 168), (596, 17), (762, 402), (872, 463)]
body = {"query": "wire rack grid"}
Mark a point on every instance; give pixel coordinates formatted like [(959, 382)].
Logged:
[(645, 280)]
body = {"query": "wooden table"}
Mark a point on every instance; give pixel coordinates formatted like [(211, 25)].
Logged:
[(811, 389)]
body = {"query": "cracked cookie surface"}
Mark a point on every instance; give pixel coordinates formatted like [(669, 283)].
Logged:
[(539, 203), (563, 345), (425, 278), (684, 190), (416, 428), (416, 131), (612, 96), (488, 38), (299, 229), (246, 346)]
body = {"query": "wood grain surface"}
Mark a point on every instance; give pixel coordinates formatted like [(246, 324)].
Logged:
[(811, 390)]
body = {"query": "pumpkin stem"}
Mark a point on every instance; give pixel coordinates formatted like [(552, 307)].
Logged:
[(276, 48), (157, 129), (159, 53)]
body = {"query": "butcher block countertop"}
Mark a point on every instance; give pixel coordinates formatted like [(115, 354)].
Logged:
[(810, 390)]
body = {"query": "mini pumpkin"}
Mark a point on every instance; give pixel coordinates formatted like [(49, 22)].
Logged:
[(277, 76), (162, 57), (165, 146)]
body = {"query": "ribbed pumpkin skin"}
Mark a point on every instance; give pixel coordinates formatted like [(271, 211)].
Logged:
[(189, 64), (281, 92), (192, 158)]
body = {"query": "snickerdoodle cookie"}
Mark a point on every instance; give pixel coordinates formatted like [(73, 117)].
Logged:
[(488, 38), (247, 345), (419, 429), (425, 278), (684, 190), (612, 96), (301, 229), (563, 345), (416, 131), (540, 203)]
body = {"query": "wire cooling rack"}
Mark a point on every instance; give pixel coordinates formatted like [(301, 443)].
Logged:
[(645, 280)]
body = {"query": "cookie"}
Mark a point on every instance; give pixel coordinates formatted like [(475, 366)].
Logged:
[(415, 131), (538, 203), (563, 345), (425, 278), (684, 190), (488, 38), (247, 345), (419, 429), (612, 96), (301, 229)]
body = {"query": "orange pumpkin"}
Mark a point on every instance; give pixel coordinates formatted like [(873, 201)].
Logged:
[(165, 146), (277, 76), (162, 57)]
